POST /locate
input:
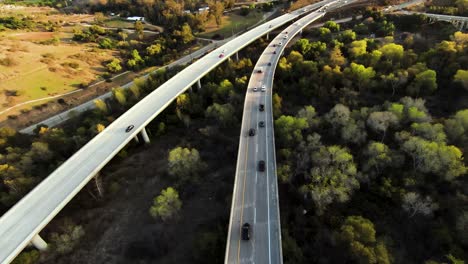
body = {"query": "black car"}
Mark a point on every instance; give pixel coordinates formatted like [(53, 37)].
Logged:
[(129, 128), (252, 132), (261, 165), (274, 52), (261, 124), (246, 231), (269, 64), (262, 107)]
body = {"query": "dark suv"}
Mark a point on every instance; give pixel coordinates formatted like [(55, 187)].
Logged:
[(261, 165), (262, 107), (252, 132), (245, 231)]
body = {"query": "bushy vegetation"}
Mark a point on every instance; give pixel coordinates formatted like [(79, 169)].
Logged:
[(370, 143)]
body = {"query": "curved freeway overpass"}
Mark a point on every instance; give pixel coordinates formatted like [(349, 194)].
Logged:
[(22, 223)]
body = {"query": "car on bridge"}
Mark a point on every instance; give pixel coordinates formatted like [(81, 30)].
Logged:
[(263, 88), (252, 132), (129, 128), (246, 231), (261, 124), (255, 89), (221, 55), (262, 107), (261, 165)]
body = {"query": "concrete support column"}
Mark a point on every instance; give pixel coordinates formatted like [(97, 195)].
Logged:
[(145, 135), (199, 84), (39, 243), (136, 139), (237, 56), (300, 32), (268, 36)]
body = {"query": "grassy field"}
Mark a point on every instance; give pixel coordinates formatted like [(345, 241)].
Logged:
[(118, 22), (38, 71), (232, 23)]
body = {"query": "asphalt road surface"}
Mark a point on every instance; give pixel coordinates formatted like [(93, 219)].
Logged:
[(255, 198)]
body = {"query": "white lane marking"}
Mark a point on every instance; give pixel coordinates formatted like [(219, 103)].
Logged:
[(268, 193), (255, 215), (256, 148)]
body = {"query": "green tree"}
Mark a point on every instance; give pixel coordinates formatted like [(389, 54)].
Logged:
[(27, 257), (381, 121), (357, 48), (359, 74), (332, 177), (217, 9), (392, 52), (284, 173), (106, 43), (185, 164), (277, 103), (435, 157), (135, 61), (428, 131), (223, 114), (309, 114), (135, 90), (69, 236), (333, 26), (425, 82), (119, 95), (185, 34), (347, 36), (358, 233), (414, 204), (338, 116), (395, 80), (154, 49), (378, 156), (457, 127), (462, 77), (114, 66), (139, 29), (101, 105), (336, 57), (289, 129), (166, 205)]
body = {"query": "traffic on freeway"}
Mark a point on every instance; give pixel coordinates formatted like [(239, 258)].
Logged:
[(254, 234)]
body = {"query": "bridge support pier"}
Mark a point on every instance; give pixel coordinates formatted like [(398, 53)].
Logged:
[(145, 135), (268, 36), (237, 56), (199, 84), (39, 243)]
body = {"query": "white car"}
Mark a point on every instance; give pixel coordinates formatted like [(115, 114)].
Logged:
[(281, 43), (285, 37), (255, 89), (263, 88)]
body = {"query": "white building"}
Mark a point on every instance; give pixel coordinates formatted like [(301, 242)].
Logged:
[(136, 18)]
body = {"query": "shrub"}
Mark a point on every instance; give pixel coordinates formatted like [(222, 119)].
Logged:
[(106, 43), (8, 61)]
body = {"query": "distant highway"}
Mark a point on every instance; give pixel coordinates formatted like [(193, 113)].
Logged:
[(31, 214)]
